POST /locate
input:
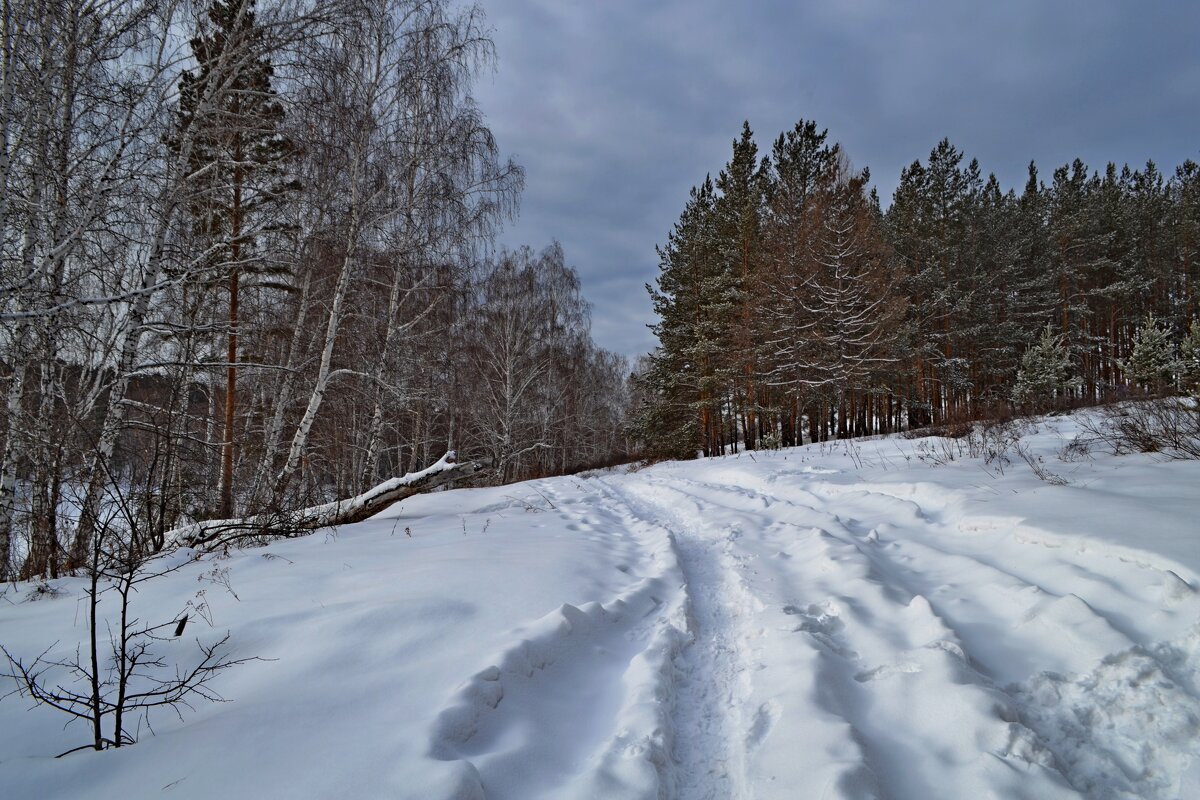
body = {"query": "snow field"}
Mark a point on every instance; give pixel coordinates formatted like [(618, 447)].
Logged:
[(829, 621)]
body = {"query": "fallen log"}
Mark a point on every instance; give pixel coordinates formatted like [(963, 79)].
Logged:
[(214, 533)]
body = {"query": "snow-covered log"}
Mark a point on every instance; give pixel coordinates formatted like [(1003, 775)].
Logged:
[(216, 532)]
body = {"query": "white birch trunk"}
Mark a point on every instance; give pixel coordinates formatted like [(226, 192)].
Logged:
[(325, 370), (213, 534)]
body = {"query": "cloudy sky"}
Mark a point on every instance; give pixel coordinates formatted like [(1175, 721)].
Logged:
[(617, 107)]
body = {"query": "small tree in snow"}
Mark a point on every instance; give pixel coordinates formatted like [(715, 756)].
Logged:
[(1043, 372), (126, 666), (1152, 361), (1189, 363)]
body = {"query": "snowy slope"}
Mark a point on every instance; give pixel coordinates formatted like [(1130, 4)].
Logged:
[(847, 621)]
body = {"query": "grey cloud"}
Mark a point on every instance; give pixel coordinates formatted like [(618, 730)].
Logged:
[(617, 108)]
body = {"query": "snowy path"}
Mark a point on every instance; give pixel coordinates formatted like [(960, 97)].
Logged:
[(865, 640), (918, 638), (921, 636), (822, 622), (712, 673)]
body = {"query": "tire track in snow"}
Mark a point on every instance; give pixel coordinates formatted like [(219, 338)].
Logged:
[(885, 664), (570, 706), (998, 610), (845, 659), (1008, 610), (712, 674)]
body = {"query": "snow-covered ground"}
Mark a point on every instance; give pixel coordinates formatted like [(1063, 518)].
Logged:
[(855, 620)]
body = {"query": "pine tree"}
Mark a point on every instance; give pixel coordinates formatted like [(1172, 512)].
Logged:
[(1189, 362), (800, 158), (235, 162), (930, 223), (1115, 286), (995, 325), (1185, 240), (1152, 362), (1081, 259), (1044, 370), (1149, 280), (1031, 294), (695, 300), (664, 421), (844, 298), (738, 217)]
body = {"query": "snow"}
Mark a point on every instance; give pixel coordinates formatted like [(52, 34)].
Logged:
[(837, 621)]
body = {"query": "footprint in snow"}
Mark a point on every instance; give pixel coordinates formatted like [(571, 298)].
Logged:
[(822, 623), (764, 720)]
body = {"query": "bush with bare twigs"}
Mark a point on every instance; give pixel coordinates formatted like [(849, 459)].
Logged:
[(1170, 426)]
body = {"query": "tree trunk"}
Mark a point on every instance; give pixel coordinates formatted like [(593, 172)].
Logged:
[(274, 432), (8, 466), (212, 534), (324, 372), (226, 503)]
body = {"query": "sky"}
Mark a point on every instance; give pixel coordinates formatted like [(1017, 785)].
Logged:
[(617, 108)]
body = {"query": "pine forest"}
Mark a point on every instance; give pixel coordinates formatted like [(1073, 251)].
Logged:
[(794, 308)]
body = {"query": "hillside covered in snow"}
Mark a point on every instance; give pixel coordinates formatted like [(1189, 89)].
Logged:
[(893, 618)]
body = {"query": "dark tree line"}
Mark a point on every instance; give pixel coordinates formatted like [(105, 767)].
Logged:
[(793, 308), (245, 267)]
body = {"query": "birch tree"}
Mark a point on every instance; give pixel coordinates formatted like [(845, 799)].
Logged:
[(375, 138), (80, 83)]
